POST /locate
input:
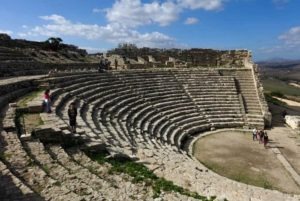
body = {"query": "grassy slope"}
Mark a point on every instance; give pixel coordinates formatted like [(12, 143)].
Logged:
[(275, 85)]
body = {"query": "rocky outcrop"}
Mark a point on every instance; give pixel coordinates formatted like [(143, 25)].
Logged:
[(293, 121)]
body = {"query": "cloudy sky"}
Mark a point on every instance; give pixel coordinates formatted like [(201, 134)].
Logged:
[(269, 28)]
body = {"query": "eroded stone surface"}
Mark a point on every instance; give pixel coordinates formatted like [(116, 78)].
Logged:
[(293, 121)]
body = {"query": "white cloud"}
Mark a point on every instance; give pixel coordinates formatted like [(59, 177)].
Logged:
[(57, 19), (191, 20), (133, 13), (93, 49), (289, 42), (124, 17), (6, 32), (114, 32), (98, 10), (291, 37), (201, 4)]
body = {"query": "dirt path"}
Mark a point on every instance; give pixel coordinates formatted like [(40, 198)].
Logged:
[(285, 138), (294, 84), (288, 102), (234, 155)]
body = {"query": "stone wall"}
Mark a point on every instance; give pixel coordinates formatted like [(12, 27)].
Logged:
[(260, 91), (193, 57), (217, 58)]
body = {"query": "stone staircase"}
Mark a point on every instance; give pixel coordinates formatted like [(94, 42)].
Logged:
[(245, 86)]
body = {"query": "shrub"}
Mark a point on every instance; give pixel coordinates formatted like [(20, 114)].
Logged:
[(277, 94)]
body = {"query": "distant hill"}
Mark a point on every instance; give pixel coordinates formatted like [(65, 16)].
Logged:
[(279, 63), (283, 69)]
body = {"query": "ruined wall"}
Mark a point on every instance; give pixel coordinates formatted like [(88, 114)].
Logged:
[(193, 57), (217, 58)]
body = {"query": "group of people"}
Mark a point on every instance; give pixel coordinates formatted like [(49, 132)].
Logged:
[(261, 136), (72, 110), (104, 64)]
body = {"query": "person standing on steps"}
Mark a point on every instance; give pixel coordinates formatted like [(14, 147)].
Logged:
[(72, 113), (261, 136), (266, 138), (47, 101), (116, 64)]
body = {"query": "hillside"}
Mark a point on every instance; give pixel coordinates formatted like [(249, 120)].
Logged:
[(283, 70), (52, 50)]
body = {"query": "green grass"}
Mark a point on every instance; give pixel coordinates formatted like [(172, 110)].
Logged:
[(240, 175), (141, 173), (28, 97), (275, 101), (31, 121), (278, 86), (4, 156)]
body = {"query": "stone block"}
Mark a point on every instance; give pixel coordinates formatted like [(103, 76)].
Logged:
[(35, 106), (13, 105), (293, 121), (95, 146), (48, 133), (9, 125), (26, 137)]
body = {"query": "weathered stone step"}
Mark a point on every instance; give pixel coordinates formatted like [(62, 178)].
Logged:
[(35, 177)]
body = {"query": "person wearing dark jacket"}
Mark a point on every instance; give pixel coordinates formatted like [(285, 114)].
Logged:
[(72, 113)]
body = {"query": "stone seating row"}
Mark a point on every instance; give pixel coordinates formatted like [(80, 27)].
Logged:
[(158, 104), (47, 170), (45, 167), (21, 164), (149, 87), (12, 188), (65, 110), (166, 160)]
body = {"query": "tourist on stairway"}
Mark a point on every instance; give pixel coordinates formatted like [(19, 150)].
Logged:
[(254, 133), (47, 101), (72, 113)]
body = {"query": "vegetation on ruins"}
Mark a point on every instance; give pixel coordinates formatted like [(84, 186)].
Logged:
[(53, 43), (28, 97), (141, 173)]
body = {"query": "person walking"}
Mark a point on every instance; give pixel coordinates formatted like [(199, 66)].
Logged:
[(261, 136), (254, 134), (72, 113), (47, 101), (266, 139)]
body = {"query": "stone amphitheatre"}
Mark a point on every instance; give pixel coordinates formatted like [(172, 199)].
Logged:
[(149, 109)]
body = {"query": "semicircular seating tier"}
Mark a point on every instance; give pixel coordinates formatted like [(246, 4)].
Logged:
[(123, 107), (150, 113)]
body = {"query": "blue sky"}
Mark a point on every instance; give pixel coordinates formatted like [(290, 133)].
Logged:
[(269, 28)]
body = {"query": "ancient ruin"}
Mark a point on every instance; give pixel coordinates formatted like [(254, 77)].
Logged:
[(148, 109)]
